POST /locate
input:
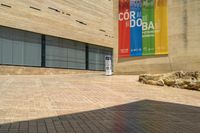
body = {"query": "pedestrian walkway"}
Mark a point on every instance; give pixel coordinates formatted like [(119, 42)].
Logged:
[(94, 103)]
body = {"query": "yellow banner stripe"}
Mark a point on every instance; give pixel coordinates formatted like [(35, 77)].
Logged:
[(161, 27)]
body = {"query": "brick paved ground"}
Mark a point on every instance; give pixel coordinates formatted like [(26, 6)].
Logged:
[(93, 103)]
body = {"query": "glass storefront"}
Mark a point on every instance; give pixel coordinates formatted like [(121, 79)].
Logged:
[(24, 48)]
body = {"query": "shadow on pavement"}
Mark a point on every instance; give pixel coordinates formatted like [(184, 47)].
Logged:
[(138, 117)]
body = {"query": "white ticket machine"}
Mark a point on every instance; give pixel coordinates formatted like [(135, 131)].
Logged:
[(108, 65)]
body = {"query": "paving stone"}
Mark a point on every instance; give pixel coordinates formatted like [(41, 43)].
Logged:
[(93, 103)]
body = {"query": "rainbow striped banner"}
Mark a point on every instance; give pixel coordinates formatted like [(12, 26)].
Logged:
[(147, 32)]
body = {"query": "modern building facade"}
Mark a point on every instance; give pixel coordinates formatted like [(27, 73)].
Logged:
[(56, 34), (183, 42), (77, 34)]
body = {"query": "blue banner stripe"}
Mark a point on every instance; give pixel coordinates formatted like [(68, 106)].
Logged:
[(136, 27)]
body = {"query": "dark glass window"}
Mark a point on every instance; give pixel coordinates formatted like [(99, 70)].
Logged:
[(64, 53), (97, 57), (18, 47)]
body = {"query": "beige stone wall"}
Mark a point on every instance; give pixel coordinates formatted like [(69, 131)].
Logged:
[(184, 42), (184, 29), (59, 18), (20, 70)]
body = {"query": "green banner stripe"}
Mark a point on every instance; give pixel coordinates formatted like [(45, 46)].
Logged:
[(148, 33)]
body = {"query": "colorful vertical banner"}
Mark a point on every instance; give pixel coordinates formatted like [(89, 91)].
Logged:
[(124, 28), (148, 35), (136, 27), (161, 24), (143, 27)]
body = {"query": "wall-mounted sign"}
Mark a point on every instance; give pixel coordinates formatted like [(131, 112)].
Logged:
[(143, 27)]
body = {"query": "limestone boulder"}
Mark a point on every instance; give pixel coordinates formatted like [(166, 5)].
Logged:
[(184, 80)]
